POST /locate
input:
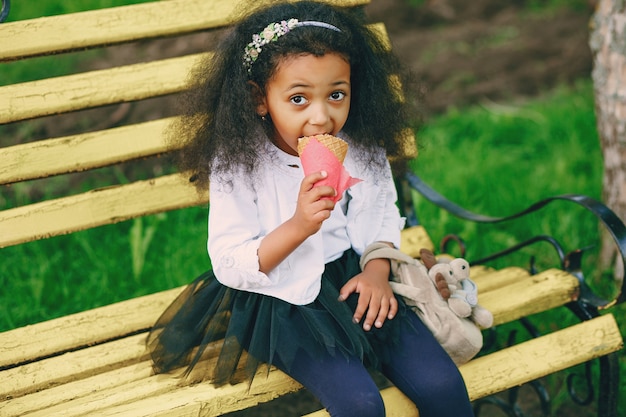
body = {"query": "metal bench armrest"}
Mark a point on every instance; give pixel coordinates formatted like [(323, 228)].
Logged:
[(609, 219)]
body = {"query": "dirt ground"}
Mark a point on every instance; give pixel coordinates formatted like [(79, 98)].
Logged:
[(463, 52)]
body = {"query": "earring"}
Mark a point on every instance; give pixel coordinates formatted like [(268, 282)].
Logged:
[(263, 116)]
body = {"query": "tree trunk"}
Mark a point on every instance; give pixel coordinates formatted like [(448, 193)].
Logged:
[(608, 46)]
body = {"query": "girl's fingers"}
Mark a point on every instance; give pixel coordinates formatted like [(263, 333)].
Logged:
[(310, 180), (382, 312), (377, 313), (373, 307), (348, 288), (323, 192), (378, 310), (393, 308), (362, 306), (312, 206), (373, 312), (308, 186)]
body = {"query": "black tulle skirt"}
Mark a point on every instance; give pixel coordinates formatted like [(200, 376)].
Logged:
[(264, 327)]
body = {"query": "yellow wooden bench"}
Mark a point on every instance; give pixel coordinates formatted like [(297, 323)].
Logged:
[(94, 362)]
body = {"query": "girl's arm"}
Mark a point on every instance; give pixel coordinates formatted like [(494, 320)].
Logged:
[(311, 211), (378, 220), (245, 211)]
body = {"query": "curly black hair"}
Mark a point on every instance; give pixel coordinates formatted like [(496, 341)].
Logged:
[(219, 124)]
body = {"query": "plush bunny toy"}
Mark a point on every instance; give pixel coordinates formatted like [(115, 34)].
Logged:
[(410, 279), (452, 278)]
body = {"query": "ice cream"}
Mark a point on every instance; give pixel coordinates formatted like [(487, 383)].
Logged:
[(326, 153), (337, 146)]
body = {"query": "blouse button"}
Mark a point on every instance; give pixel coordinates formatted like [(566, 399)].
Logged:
[(228, 262)]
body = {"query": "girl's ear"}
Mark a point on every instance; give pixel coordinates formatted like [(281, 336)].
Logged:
[(259, 98)]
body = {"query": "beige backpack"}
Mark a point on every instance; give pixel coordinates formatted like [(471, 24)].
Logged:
[(460, 336)]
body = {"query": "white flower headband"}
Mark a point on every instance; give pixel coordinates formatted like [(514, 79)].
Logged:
[(271, 33)]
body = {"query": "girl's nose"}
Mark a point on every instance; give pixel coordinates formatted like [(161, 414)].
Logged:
[(319, 115)]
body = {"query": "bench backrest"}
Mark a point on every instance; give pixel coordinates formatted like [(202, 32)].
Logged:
[(109, 89)]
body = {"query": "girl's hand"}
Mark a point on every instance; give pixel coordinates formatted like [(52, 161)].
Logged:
[(312, 208), (375, 294)]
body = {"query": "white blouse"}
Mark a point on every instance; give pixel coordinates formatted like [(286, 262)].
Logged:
[(244, 210)]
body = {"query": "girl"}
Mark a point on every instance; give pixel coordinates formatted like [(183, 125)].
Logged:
[(286, 285)]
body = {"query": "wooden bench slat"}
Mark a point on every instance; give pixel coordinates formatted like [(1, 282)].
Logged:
[(114, 25), (533, 359), (53, 396), (488, 280), (84, 90), (56, 381), (80, 386), (414, 238), (83, 151), (89, 327), (539, 357), (109, 26), (133, 384), (265, 387), (206, 400), (478, 270), (96, 208), (548, 289), (71, 366), (86, 151), (128, 392)]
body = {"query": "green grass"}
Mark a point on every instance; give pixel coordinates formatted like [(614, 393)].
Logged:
[(67, 274), (498, 159)]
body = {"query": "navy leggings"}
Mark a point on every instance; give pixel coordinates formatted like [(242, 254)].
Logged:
[(419, 367)]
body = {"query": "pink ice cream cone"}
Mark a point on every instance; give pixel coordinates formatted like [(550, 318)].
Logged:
[(326, 153)]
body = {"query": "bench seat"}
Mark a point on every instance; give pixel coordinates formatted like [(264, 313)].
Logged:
[(96, 359)]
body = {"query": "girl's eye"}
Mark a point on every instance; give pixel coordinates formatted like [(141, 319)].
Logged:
[(337, 95), (298, 100)]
